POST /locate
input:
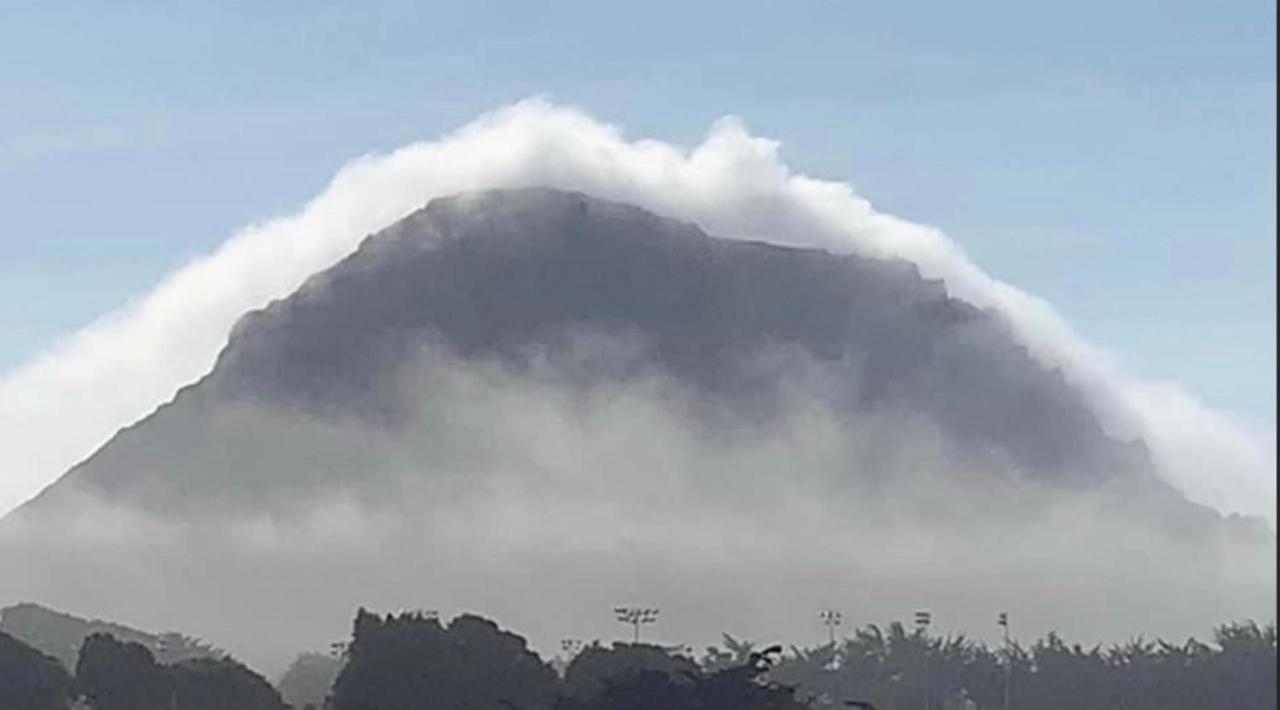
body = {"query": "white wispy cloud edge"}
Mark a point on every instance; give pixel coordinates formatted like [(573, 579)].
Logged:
[(57, 408)]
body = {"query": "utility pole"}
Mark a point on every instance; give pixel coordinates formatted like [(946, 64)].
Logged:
[(1003, 620), (923, 619), (831, 619), (636, 616)]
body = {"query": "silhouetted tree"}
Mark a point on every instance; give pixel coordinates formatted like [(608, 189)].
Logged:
[(888, 668), (678, 687), (410, 661), (735, 652), (125, 676), (120, 676), (1245, 667), (309, 679), (219, 684), (31, 680), (596, 665)]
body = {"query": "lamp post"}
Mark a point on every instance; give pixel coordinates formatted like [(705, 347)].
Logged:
[(636, 616), (1003, 620), (831, 619), (570, 647), (923, 619)]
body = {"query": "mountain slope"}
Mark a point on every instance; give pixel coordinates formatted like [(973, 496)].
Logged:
[(506, 274), (60, 635)]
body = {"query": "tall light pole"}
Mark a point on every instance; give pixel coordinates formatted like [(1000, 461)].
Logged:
[(1003, 620), (923, 619), (635, 616), (570, 647), (831, 619)]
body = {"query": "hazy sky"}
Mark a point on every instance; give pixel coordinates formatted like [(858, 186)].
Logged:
[(1116, 159)]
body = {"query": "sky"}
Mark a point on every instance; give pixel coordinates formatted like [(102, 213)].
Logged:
[(1118, 161), (1115, 159)]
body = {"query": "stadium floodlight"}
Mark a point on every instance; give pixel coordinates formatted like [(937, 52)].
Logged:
[(923, 619), (571, 647), (636, 616), (831, 619), (1003, 620)]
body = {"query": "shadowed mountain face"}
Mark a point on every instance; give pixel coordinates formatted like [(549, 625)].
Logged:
[(520, 276)]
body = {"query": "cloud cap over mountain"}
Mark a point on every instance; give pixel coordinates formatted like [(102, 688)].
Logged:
[(548, 397), (732, 184)]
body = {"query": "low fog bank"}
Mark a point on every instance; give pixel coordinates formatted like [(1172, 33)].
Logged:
[(543, 500)]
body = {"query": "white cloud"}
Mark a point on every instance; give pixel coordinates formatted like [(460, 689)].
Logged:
[(57, 408)]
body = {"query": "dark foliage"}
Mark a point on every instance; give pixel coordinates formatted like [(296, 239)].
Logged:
[(212, 684), (684, 687), (125, 676), (30, 680), (410, 661), (893, 668), (595, 665), (116, 675)]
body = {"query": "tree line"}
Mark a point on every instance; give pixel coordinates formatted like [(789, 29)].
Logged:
[(895, 668), (415, 661)]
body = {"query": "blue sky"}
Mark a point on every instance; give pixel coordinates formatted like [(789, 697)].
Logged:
[(1117, 159)]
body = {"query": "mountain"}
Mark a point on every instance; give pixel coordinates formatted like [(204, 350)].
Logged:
[(60, 635), (505, 274), (538, 405)]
